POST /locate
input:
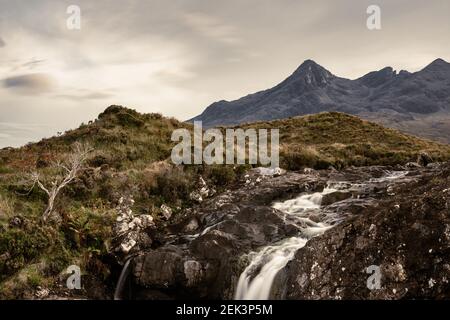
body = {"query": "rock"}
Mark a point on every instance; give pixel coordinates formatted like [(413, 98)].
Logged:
[(146, 221), (336, 196), (131, 231), (193, 272), (207, 249), (270, 171), (192, 225), (129, 242), (424, 159), (196, 196), (406, 244), (42, 293), (412, 165), (16, 222), (204, 192), (166, 211), (159, 269), (390, 190)]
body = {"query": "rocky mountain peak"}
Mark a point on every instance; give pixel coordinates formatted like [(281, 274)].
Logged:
[(313, 73), (377, 78), (437, 71), (438, 65)]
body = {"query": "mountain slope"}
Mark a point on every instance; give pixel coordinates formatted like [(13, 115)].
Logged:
[(400, 100), (131, 160)]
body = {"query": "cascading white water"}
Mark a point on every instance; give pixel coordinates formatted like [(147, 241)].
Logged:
[(390, 176), (121, 283), (255, 283), (271, 259)]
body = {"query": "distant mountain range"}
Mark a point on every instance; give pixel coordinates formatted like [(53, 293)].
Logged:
[(417, 103)]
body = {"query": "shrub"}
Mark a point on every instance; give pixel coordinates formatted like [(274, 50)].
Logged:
[(221, 175), (174, 184), (22, 246)]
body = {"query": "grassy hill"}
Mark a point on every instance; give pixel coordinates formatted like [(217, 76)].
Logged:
[(340, 140), (131, 158)]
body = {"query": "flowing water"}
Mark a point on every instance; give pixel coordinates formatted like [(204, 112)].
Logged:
[(255, 282), (121, 283), (271, 259)]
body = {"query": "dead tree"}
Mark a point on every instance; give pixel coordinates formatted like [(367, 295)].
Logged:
[(67, 171)]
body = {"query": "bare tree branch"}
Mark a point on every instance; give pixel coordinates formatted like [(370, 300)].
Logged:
[(70, 168)]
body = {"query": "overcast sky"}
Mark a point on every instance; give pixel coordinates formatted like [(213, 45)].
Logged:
[(178, 56)]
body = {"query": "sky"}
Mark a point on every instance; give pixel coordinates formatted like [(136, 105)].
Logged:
[(178, 56)]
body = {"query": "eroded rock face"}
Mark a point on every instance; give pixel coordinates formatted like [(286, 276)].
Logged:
[(204, 255), (405, 236)]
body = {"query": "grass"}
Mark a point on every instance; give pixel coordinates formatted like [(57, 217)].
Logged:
[(340, 140), (131, 157)]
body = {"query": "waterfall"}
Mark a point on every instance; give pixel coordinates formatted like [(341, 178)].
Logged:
[(255, 282), (271, 259), (121, 283)]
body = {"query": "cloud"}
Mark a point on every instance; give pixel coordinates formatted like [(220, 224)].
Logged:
[(33, 63), (2, 42), (15, 134), (212, 27), (34, 83), (88, 95)]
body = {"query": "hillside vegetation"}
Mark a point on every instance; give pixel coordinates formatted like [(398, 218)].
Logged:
[(131, 157), (340, 140)]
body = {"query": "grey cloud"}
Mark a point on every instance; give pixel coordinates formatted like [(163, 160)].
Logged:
[(87, 95), (33, 63), (29, 83), (2, 42)]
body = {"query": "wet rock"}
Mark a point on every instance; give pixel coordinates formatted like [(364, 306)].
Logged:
[(335, 197), (208, 249), (159, 269), (403, 236), (412, 165)]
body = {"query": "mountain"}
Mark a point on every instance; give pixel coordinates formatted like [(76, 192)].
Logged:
[(417, 103)]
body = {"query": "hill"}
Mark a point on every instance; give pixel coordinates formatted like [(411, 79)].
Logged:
[(131, 159), (341, 140)]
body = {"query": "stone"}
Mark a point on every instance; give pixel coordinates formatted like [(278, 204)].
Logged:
[(424, 159), (166, 211), (196, 196)]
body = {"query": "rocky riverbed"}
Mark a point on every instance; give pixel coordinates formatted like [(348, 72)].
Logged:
[(305, 235)]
